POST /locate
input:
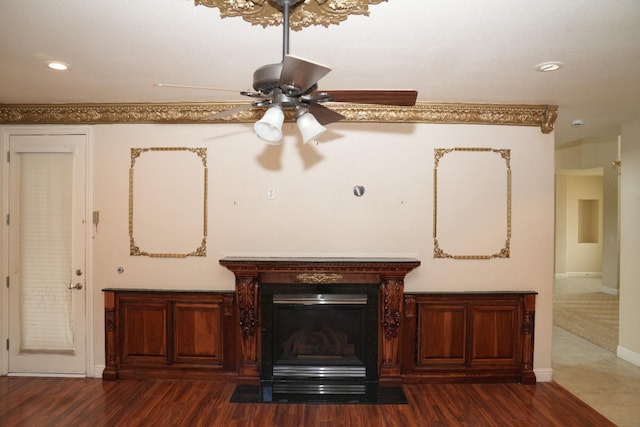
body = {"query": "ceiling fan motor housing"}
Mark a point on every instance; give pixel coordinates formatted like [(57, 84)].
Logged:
[(266, 78)]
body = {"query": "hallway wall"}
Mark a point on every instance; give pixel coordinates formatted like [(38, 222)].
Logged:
[(629, 348), (580, 257), (584, 170)]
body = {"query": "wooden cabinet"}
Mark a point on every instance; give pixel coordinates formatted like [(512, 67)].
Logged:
[(167, 334), (143, 326), (197, 337), (440, 337), (468, 337), (441, 334)]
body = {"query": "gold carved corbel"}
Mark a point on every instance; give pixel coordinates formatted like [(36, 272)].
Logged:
[(247, 291), (392, 292)]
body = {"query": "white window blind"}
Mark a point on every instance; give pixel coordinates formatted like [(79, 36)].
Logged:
[(46, 322)]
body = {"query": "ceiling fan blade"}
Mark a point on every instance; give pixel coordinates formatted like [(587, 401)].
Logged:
[(170, 85), (301, 73), (324, 115), (382, 97), (229, 112)]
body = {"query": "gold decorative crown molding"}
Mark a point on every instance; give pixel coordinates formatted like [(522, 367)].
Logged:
[(543, 116), (310, 12)]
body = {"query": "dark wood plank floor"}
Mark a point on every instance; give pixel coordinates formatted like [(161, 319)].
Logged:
[(45, 402)]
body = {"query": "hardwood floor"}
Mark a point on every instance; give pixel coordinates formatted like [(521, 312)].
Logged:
[(28, 401)]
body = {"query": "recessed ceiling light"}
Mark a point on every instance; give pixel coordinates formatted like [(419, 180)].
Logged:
[(58, 66), (549, 66), (577, 122)]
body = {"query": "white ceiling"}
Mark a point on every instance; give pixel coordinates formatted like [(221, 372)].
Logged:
[(449, 50)]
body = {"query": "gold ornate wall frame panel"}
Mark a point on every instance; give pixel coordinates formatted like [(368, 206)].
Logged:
[(542, 116), (307, 13), (168, 202), (478, 225)]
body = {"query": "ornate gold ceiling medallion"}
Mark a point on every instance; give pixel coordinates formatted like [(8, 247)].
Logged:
[(306, 14)]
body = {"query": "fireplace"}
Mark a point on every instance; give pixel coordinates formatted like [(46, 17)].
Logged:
[(369, 360), (319, 342)]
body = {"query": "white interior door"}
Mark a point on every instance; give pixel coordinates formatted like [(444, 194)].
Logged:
[(47, 226)]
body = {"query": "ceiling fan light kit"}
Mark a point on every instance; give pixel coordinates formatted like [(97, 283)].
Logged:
[(309, 127), (269, 127), (292, 85)]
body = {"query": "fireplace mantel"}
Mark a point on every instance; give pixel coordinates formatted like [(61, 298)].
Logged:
[(346, 265), (251, 272)]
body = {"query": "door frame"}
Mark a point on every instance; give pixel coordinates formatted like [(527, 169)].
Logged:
[(91, 369)]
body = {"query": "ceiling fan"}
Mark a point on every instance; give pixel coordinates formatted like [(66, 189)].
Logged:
[(293, 85)]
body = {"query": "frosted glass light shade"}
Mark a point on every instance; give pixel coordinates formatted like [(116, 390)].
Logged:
[(309, 127), (269, 127)]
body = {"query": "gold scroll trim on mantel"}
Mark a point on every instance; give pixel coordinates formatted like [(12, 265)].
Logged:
[(543, 116), (319, 277), (306, 14)]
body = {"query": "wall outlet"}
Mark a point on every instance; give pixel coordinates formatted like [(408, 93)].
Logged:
[(271, 193)]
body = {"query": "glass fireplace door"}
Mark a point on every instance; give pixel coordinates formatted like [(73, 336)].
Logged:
[(319, 335), (319, 340)]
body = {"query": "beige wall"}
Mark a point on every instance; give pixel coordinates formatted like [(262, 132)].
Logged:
[(586, 154), (584, 169), (580, 257), (316, 214), (561, 225), (610, 230), (629, 347)]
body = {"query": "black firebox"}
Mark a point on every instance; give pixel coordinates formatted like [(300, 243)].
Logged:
[(319, 342)]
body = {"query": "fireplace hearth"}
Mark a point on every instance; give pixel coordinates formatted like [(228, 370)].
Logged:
[(319, 342)]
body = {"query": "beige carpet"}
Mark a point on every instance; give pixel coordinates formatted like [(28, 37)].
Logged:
[(581, 309)]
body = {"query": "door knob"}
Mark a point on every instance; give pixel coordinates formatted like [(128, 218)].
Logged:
[(76, 286)]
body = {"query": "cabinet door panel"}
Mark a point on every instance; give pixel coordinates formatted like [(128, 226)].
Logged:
[(144, 333), (198, 332), (495, 333), (442, 333)]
